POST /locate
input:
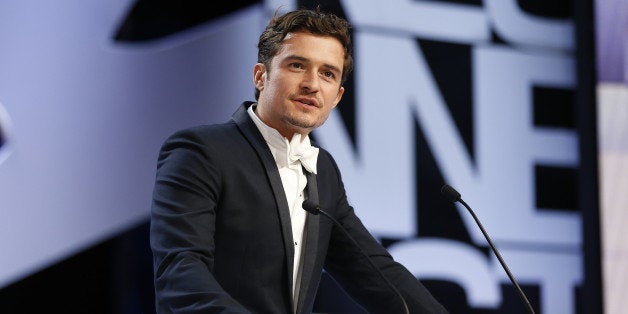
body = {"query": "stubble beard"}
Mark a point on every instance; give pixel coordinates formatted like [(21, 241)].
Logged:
[(302, 125)]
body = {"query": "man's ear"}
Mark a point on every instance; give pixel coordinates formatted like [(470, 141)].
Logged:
[(259, 76), (339, 96)]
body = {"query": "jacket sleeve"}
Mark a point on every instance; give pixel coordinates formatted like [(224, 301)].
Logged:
[(182, 229), (356, 275)]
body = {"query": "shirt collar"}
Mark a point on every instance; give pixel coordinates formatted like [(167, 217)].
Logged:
[(287, 152)]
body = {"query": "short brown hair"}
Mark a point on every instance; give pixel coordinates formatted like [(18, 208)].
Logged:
[(315, 22)]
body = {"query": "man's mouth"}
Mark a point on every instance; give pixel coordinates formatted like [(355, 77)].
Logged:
[(307, 101)]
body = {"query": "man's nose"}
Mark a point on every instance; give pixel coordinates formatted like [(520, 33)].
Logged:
[(310, 82)]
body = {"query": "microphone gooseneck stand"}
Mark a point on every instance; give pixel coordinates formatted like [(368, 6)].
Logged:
[(454, 196), (314, 209)]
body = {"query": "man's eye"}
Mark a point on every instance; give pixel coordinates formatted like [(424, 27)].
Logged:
[(296, 65), (329, 74)]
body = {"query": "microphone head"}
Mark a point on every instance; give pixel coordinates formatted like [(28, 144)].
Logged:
[(310, 207), (450, 193)]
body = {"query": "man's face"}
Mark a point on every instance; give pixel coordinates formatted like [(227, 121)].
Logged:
[(302, 85)]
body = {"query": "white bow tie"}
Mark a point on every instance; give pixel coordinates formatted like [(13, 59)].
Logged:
[(303, 151)]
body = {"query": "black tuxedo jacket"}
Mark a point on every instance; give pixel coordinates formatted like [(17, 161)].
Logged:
[(221, 234)]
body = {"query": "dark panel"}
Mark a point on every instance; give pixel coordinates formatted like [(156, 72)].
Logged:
[(554, 107), (132, 282), (80, 284), (450, 65), (512, 303), (112, 277), (588, 184), (551, 9), (154, 19), (556, 187)]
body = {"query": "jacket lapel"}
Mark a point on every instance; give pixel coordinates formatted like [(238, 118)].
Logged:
[(255, 138), (307, 289)]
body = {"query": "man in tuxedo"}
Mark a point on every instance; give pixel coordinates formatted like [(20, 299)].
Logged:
[(228, 230)]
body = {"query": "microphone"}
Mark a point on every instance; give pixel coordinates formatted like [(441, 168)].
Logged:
[(454, 196), (315, 209)]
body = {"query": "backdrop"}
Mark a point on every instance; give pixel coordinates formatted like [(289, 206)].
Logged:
[(486, 96)]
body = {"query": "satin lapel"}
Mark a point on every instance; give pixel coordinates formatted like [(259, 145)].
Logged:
[(252, 134), (311, 245)]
